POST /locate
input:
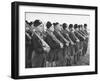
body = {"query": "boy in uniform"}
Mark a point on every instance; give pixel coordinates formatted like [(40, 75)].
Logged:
[(54, 44), (67, 50), (74, 48), (59, 36), (39, 45)]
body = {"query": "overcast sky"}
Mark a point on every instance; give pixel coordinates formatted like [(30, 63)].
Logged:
[(61, 18)]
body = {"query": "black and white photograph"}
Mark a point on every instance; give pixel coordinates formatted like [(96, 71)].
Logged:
[(50, 40), (54, 40)]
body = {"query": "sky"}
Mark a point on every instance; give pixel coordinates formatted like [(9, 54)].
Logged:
[(61, 18)]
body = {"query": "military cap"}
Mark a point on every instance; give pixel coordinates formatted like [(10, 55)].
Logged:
[(70, 26), (48, 24), (85, 25), (64, 25), (55, 23), (75, 26), (26, 22), (79, 26), (30, 23), (37, 23)]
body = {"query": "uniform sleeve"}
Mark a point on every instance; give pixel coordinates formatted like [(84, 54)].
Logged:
[(79, 36), (72, 37), (64, 39), (51, 43), (65, 36), (27, 40)]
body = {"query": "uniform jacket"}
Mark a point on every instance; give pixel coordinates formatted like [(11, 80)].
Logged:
[(59, 37), (78, 36), (54, 45), (72, 36), (82, 33), (37, 45), (65, 33), (51, 42)]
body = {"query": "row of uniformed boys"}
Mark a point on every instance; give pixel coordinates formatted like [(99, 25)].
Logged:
[(59, 45)]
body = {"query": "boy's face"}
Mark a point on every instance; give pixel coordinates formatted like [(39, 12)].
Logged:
[(52, 28), (40, 28), (67, 28), (85, 27), (59, 27), (32, 26), (82, 27), (77, 29), (71, 29), (26, 27)]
